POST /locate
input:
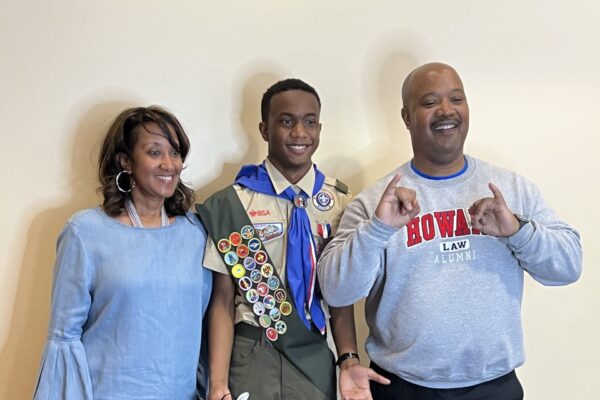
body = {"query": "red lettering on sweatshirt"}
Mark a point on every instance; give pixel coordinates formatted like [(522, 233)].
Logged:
[(443, 224)]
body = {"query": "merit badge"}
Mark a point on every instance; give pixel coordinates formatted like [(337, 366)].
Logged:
[(323, 200), (260, 257), (280, 295), (273, 282), (324, 230), (258, 308), (272, 334), (231, 258), (245, 283), (262, 289), (249, 263), (264, 321), (255, 276), (238, 271), (281, 327), (223, 245), (266, 270), (254, 244), (285, 308), (269, 230), (269, 301), (235, 238), (247, 232), (243, 251), (252, 296), (275, 314), (300, 201)]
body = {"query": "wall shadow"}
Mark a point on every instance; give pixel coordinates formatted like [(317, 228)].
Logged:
[(248, 87), (21, 354)]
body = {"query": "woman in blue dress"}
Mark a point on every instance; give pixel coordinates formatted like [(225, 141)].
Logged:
[(129, 289)]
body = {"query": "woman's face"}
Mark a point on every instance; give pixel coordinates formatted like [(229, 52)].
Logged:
[(156, 165)]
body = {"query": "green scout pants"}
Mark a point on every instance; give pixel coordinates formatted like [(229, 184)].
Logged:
[(258, 368)]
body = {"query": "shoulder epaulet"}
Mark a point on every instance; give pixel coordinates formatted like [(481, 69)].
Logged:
[(336, 183), (341, 186)]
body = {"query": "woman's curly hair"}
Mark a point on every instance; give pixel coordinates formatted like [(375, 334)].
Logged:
[(121, 139)]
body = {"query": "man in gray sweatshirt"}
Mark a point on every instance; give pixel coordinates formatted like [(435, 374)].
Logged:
[(439, 248)]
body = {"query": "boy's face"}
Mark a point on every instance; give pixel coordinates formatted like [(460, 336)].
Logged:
[(292, 132)]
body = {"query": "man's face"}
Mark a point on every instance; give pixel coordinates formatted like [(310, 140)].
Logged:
[(437, 115), (292, 131)]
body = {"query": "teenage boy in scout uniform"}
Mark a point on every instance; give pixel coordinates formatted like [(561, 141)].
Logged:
[(267, 326)]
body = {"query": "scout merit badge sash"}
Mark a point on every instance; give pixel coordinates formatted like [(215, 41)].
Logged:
[(301, 252), (243, 252)]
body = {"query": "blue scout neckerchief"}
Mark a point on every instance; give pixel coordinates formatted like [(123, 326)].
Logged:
[(301, 255)]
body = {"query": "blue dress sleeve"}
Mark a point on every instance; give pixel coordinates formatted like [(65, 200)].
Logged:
[(64, 372)]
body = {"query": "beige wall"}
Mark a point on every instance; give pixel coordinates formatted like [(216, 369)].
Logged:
[(66, 67)]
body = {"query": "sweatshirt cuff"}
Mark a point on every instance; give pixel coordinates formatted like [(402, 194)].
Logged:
[(380, 231), (523, 235)]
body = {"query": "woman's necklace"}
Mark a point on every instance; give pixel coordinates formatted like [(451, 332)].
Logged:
[(135, 217)]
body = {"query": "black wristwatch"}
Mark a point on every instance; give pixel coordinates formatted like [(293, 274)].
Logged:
[(522, 221)]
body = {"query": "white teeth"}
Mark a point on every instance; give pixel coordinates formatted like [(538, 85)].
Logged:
[(445, 127), (165, 178), (297, 146)]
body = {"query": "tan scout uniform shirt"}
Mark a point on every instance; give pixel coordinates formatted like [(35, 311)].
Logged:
[(270, 216)]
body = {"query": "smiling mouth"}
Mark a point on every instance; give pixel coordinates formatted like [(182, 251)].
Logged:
[(297, 147), (164, 178), (444, 126)]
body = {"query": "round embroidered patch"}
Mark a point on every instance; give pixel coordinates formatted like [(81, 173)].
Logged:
[(235, 239), (238, 271), (272, 334), (285, 308), (247, 232), (323, 200), (224, 245), (252, 296)]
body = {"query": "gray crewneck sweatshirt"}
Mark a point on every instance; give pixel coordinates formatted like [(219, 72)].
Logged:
[(443, 300)]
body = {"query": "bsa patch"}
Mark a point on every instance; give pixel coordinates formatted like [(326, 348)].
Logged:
[(269, 230), (323, 200)]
